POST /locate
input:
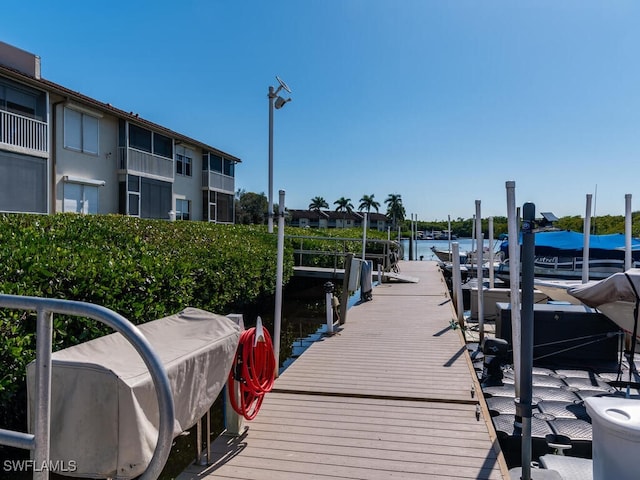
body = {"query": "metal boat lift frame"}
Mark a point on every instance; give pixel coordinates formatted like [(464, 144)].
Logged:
[(39, 441)]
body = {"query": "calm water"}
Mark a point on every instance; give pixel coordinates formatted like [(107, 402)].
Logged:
[(303, 319), (424, 247)]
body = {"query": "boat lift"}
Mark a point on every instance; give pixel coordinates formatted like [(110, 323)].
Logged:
[(39, 441)]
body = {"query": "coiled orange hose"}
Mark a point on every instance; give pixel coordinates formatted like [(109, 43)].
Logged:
[(254, 369)]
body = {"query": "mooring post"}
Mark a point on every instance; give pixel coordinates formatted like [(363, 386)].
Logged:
[(586, 240), (523, 407), (348, 259), (233, 421), (328, 290), (479, 273), (628, 259), (513, 214), (277, 317), (457, 282)]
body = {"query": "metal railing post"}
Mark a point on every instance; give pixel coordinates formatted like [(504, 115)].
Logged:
[(39, 443), (42, 427)]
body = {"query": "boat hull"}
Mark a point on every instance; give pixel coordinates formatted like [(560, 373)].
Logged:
[(599, 269)]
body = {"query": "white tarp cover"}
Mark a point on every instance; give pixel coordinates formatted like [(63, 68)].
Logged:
[(104, 411), (614, 296)]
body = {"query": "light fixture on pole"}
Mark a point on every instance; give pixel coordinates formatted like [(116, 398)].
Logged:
[(278, 102)]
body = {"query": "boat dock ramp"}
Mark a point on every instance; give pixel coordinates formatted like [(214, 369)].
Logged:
[(391, 395)]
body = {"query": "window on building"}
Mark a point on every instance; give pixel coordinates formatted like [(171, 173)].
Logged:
[(162, 145), (183, 165), (219, 205), (80, 131), (15, 98), (140, 138), (215, 163), (133, 195), (147, 197), (183, 209), (208, 206), (229, 167), (224, 208), (23, 183), (134, 183), (151, 142), (80, 198), (155, 198), (134, 204)]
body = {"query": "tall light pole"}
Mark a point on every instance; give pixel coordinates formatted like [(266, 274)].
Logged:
[(277, 102)]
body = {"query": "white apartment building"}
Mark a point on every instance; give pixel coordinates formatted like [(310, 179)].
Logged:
[(61, 151)]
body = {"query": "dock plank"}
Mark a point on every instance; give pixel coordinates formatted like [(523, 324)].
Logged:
[(389, 396)]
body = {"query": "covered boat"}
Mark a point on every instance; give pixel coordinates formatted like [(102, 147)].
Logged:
[(445, 255), (104, 413), (616, 297), (559, 255)]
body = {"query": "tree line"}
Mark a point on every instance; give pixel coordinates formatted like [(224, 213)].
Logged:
[(251, 208), (604, 225)]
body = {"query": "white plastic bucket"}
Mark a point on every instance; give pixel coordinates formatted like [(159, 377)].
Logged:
[(616, 437)]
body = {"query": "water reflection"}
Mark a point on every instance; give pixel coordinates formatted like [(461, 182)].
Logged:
[(303, 321)]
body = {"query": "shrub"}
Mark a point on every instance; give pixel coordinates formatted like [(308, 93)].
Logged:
[(141, 269)]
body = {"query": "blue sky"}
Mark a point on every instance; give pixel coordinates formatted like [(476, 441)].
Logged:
[(441, 102)]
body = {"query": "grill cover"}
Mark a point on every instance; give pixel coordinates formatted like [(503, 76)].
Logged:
[(104, 411)]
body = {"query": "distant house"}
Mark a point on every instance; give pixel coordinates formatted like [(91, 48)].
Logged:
[(333, 219), (61, 151)]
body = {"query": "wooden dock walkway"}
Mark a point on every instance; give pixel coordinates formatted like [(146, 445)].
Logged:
[(387, 397)]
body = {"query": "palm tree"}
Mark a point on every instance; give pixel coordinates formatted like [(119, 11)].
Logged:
[(395, 209), (318, 203), (345, 206), (367, 203)]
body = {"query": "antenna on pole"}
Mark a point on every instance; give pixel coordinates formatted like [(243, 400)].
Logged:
[(595, 200)]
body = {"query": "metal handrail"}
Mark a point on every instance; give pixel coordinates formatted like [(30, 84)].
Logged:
[(23, 132), (387, 244), (39, 441)]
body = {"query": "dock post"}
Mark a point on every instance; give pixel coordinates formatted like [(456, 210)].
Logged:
[(345, 288), (277, 317), (457, 282), (586, 240), (479, 273), (491, 257), (628, 259), (523, 407), (328, 290), (514, 277), (364, 237), (233, 422)]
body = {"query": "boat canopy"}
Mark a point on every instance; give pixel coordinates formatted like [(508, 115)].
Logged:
[(617, 296), (570, 243)]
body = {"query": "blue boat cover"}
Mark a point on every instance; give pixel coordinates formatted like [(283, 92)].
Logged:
[(569, 243)]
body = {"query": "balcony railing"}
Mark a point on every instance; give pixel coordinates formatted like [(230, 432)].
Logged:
[(144, 163), (218, 181), (24, 134)]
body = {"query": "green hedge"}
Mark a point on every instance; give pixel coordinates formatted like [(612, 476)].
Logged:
[(141, 269), (338, 241)]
